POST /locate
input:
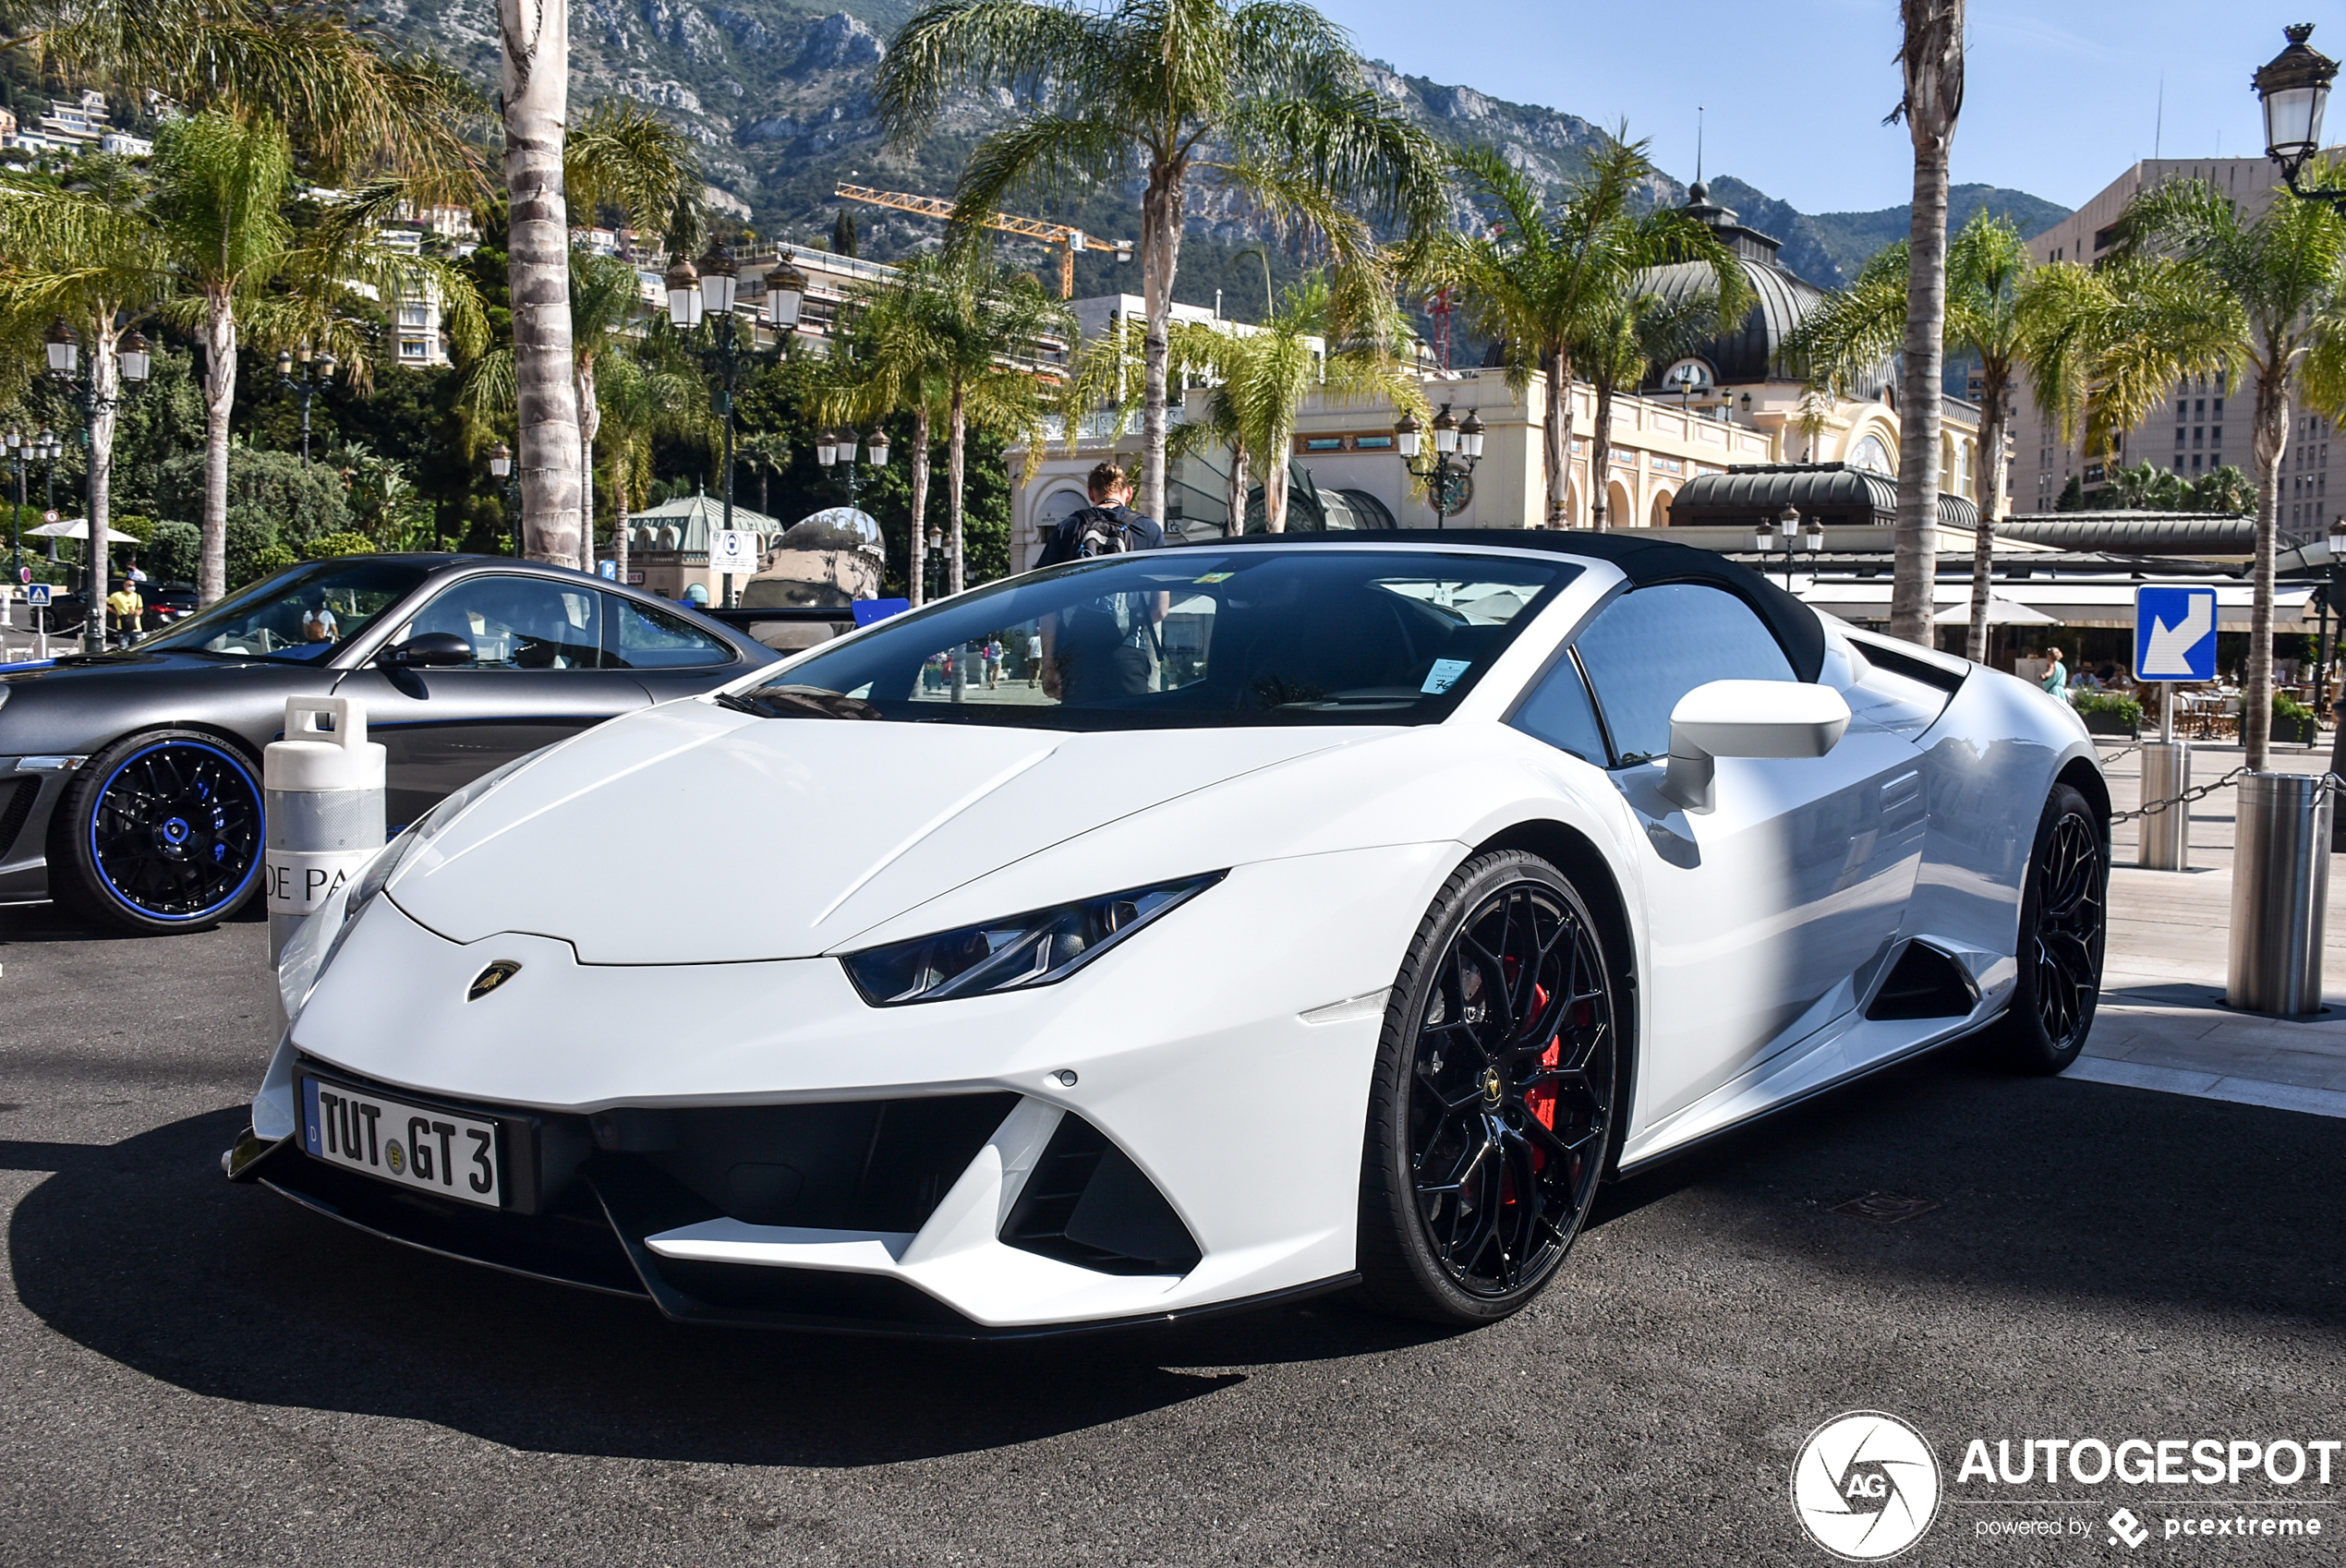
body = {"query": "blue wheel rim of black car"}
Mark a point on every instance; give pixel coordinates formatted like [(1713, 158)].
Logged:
[(176, 831)]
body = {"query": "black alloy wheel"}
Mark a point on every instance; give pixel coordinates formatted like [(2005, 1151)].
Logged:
[(2064, 923), (1491, 1115), (160, 832)]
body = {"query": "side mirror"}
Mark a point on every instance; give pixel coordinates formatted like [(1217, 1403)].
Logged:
[(427, 651), (1747, 718)]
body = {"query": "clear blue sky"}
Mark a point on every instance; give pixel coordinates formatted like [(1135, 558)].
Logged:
[(2062, 95)]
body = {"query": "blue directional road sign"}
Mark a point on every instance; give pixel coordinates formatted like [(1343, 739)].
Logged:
[(36, 592), (2174, 633)]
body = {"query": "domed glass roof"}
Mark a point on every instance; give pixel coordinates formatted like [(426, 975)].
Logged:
[(835, 527)]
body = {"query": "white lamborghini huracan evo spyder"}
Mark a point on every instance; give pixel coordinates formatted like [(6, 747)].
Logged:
[(1258, 918)]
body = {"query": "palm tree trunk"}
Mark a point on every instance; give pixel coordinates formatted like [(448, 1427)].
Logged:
[(219, 399), (1234, 487), (590, 424), (1275, 481), (2270, 444), (1995, 410), (619, 514), (920, 504), (1932, 60), (956, 437), (1599, 456), (536, 34), (105, 379), (1556, 438), (1160, 256)]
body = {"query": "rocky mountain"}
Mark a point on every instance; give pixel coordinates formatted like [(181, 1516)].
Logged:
[(778, 93)]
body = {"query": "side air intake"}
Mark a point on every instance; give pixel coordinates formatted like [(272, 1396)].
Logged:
[(1088, 1204), (1924, 984)]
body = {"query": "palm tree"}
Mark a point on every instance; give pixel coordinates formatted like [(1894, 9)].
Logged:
[(1550, 278), (606, 297), (988, 325), (1338, 340), (891, 367), (1263, 98), (1853, 334), (2195, 286), (536, 80), (1930, 59), (767, 452), (1628, 339), (82, 251), (623, 155), (645, 396)]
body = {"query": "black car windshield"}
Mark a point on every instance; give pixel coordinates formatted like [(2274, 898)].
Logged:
[(1191, 637), (302, 614)]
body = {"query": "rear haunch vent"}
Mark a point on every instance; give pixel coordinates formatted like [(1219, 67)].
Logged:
[(1926, 983), (1088, 1204)]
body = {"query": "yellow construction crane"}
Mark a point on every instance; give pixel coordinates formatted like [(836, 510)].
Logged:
[(1068, 240)]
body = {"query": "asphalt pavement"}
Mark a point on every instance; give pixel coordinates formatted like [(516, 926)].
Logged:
[(195, 1372)]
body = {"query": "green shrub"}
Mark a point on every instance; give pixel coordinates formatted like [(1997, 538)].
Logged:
[(174, 551), (325, 545), (2126, 709), (138, 527), (2288, 709)]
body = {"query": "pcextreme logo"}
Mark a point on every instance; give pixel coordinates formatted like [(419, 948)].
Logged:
[(1865, 1486)]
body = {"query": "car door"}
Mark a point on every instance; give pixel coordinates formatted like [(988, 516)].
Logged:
[(1769, 913), (536, 675)]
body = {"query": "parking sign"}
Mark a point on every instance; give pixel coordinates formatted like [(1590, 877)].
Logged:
[(735, 552), (2174, 633)]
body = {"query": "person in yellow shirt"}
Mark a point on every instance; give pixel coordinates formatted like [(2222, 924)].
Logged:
[(124, 608)]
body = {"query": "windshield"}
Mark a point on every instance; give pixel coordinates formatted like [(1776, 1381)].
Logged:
[(1193, 637), (303, 614)]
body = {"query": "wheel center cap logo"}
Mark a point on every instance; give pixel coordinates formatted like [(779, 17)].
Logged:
[(1491, 1088), (1865, 1486), (487, 980)]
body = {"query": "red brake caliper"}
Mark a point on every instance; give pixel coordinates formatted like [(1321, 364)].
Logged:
[(1541, 1100)]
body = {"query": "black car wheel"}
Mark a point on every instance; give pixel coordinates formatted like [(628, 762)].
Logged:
[(2063, 909), (1491, 1108), (159, 832)]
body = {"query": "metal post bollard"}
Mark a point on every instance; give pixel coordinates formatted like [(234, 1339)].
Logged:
[(2280, 895), (325, 807), (2166, 834)]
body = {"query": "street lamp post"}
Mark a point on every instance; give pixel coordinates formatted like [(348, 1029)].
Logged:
[(501, 468), (2294, 88), (16, 445), (705, 297), (1789, 534), (1449, 469), (134, 361), (314, 376), (934, 564), (836, 449), (46, 449)]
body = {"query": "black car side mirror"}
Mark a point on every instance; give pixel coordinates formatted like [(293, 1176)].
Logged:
[(426, 651)]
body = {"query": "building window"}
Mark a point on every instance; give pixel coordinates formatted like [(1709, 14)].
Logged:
[(414, 315), (412, 348), (2215, 435), (2178, 465), (2179, 435), (2194, 463), (2220, 408)]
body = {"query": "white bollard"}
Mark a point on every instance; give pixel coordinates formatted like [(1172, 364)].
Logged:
[(323, 791)]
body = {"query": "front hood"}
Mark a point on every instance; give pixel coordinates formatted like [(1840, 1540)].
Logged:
[(690, 834)]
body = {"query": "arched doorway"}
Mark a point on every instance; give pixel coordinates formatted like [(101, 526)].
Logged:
[(1054, 506), (1620, 511), (1660, 516)]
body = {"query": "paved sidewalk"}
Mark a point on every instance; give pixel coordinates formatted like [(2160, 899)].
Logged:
[(2163, 1023)]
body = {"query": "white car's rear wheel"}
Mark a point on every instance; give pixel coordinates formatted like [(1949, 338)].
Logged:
[(1492, 1110)]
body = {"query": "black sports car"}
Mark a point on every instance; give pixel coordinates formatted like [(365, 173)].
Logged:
[(130, 781)]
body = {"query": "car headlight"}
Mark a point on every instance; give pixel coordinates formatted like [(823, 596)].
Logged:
[(1040, 948)]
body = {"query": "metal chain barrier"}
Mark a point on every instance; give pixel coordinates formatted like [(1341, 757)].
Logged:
[(2108, 758), (2197, 792)]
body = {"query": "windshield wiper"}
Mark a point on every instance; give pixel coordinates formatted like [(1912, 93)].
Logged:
[(796, 701)]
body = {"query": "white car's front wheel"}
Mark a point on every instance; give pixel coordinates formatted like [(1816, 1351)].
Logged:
[(1492, 1106)]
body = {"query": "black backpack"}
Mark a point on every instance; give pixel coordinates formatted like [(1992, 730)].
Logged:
[(1097, 531)]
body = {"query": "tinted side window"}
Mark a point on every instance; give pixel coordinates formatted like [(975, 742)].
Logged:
[(515, 622), (1651, 647), (1558, 712), (642, 637)]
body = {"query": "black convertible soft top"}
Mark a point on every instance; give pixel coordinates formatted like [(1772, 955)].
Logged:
[(1639, 555)]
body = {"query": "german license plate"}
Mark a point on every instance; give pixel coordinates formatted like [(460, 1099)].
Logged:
[(410, 1146)]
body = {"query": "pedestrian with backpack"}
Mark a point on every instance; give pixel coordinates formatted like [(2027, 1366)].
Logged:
[(1109, 648)]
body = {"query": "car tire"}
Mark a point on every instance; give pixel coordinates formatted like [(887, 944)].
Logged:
[(160, 832), (2063, 925), (1509, 1111)]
